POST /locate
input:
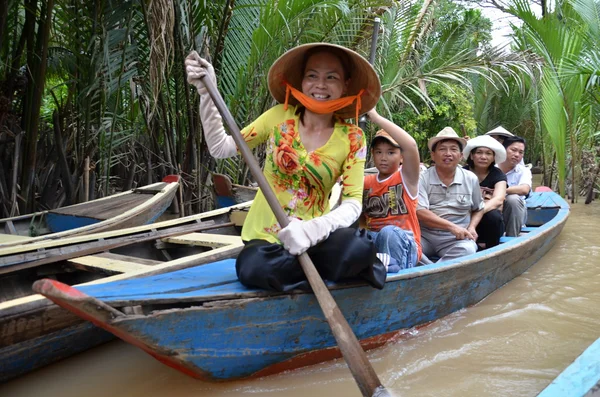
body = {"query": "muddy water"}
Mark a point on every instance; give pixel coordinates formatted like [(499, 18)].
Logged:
[(511, 344)]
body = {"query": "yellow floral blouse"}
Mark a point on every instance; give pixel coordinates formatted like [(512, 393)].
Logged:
[(301, 180)]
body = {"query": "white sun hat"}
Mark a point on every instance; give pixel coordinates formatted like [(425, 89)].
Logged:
[(488, 142), (501, 131)]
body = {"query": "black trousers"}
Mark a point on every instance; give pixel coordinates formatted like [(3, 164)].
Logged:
[(490, 228), (346, 253)]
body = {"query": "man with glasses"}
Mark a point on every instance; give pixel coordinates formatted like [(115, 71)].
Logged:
[(450, 204)]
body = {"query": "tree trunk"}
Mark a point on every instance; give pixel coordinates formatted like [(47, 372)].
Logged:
[(3, 15), (590, 193), (573, 175), (37, 55), (14, 210), (62, 160)]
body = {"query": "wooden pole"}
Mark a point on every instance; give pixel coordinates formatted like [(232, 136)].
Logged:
[(14, 207), (355, 357), (86, 179), (181, 206)]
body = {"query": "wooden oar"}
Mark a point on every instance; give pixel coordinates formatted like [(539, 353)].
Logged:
[(355, 357)]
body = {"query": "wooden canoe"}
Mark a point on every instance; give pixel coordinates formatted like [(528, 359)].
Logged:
[(203, 322), (127, 209), (580, 379), (35, 332)]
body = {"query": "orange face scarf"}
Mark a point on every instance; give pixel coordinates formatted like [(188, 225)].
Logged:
[(322, 107)]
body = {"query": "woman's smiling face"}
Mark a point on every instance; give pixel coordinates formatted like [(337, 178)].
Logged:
[(324, 78)]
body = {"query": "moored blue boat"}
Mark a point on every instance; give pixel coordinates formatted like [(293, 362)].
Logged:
[(203, 322), (580, 379), (131, 208)]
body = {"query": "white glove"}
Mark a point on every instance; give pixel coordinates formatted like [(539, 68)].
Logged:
[(220, 145), (298, 236), (196, 68), (294, 237)]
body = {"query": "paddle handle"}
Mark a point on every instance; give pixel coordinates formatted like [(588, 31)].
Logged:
[(355, 357)]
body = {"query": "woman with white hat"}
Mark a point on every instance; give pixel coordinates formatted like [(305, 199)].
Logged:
[(482, 153), (309, 146)]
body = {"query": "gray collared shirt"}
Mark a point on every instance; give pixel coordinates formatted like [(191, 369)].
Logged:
[(453, 203)]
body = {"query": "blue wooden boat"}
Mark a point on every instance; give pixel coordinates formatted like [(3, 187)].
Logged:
[(34, 332), (203, 322), (580, 379), (134, 207)]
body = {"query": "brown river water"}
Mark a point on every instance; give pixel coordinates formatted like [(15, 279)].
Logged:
[(513, 343)]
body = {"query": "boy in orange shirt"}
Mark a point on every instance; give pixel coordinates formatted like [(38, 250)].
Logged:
[(390, 197)]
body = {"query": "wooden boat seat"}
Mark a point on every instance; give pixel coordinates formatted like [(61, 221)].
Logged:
[(9, 238), (205, 240), (104, 210), (199, 283), (106, 265), (506, 239)]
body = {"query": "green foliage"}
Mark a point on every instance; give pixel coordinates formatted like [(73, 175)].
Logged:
[(563, 39), (123, 104), (453, 107)]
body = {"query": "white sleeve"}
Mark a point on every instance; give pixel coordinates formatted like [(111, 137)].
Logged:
[(318, 229), (220, 145), (526, 177)]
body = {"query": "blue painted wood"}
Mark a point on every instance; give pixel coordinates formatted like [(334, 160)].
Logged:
[(60, 222), (38, 352), (204, 319), (225, 201), (581, 378)]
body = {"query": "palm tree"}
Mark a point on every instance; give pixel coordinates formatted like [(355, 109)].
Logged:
[(423, 47), (566, 40)]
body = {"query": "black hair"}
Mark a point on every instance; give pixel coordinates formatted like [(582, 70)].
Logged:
[(513, 139), (338, 53), (383, 139), (471, 163), (445, 140)]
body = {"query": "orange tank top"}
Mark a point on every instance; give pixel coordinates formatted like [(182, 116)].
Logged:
[(388, 203)]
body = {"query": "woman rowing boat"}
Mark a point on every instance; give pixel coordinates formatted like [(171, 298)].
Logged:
[(309, 146)]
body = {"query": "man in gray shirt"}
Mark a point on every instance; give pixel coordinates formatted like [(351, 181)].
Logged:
[(450, 203)]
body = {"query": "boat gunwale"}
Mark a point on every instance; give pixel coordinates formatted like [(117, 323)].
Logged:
[(29, 245), (37, 300), (528, 239)]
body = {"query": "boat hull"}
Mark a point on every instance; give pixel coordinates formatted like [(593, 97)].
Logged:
[(34, 332), (128, 209), (21, 358), (204, 323), (580, 379)]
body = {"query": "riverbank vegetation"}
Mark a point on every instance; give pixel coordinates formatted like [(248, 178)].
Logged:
[(94, 92)]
